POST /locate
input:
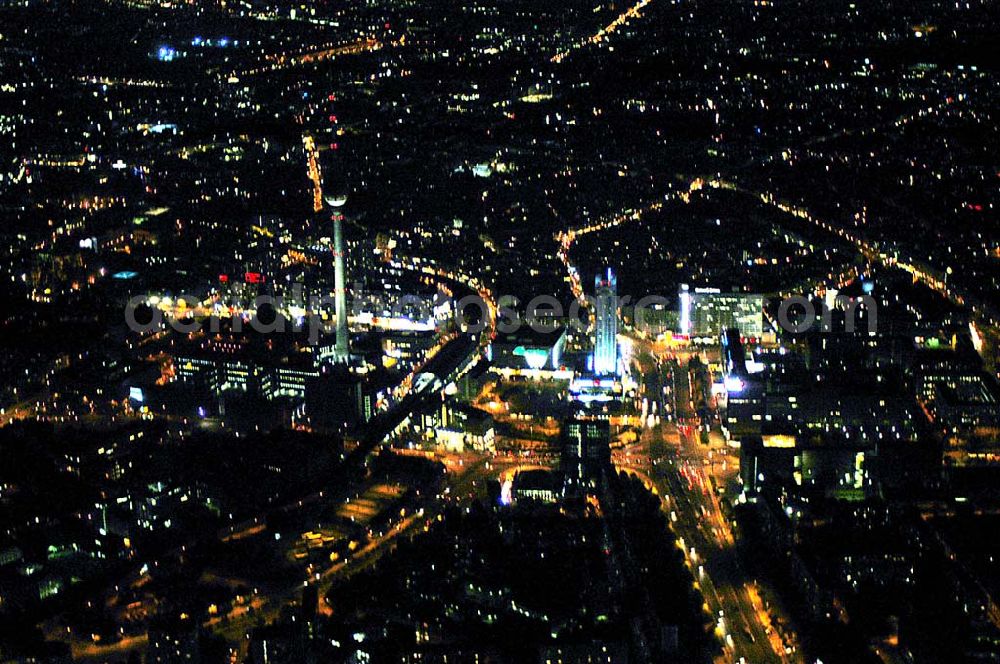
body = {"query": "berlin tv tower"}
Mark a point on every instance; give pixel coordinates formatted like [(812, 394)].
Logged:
[(335, 204)]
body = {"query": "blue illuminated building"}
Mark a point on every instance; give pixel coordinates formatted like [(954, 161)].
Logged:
[(606, 330)]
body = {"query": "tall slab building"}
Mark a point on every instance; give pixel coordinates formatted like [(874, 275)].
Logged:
[(606, 329)]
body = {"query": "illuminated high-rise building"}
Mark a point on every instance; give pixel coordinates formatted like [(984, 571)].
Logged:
[(606, 329), (586, 452), (707, 312)]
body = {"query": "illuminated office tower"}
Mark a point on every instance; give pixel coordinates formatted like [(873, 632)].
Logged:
[(606, 330), (708, 312)]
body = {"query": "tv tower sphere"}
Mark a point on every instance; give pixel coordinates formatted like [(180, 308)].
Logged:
[(337, 201)]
